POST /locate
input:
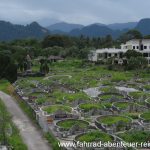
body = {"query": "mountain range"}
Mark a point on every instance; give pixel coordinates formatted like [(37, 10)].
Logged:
[(9, 31)]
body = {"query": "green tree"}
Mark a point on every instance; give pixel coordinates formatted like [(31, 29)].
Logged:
[(132, 53), (44, 68), (8, 69)]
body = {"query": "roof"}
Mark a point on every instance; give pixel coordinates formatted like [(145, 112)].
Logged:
[(138, 40), (110, 50), (51, 57)]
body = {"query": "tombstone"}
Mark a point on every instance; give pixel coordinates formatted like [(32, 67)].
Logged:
[(60, 114)]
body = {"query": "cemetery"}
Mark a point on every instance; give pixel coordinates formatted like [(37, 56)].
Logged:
[(90, 104)]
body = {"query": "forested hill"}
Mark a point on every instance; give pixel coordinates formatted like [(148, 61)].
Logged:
[(9, 31)]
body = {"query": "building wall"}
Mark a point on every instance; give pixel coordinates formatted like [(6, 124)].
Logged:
[(135, 44)]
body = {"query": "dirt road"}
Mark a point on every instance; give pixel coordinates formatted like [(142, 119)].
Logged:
[(31, 136)]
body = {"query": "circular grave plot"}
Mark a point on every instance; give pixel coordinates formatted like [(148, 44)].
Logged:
[(110, 120), (114, 123), (147, 87), (139, 95), (129, 107), (94, 136), (148, 100), (109, 96), (135, 136), (45, 100), (86, 107), (145, 116), (54, 108), (35, 94), (122, 105), (76, 96), (69, 123)]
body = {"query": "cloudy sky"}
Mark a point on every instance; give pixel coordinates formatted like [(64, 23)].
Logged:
[(73, 11)]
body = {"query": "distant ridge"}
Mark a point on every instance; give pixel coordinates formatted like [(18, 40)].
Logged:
[(144, 26), (64, 27), (9, 31)]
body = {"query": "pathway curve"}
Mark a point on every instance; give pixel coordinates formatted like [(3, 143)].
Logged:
[(31, 136)]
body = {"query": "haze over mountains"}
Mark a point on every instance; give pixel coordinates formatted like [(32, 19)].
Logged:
[(9, 31)]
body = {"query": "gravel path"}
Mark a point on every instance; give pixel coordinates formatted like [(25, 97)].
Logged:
[(31, 136)]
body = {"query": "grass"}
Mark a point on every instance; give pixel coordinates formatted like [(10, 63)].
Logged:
[(109, 96), (147, 87), (4, 86), (146, 116), (55, 108), (67, 124), (52, 141), (135, 136), (95, 136), (121, 105), (148, 100), (89, 106), (133, 115), (110, 120), (13, 139), (136, 94)]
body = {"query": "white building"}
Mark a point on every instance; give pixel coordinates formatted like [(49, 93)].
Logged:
[(142, 46)]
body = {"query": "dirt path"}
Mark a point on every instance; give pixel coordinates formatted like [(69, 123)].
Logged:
[(31, 136)]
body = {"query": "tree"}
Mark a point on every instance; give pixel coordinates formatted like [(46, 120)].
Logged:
[(132, 53), (134, 34), (137, 63), (135, 60), (8, 69), (44, 66), (131, 34), (57, 40)]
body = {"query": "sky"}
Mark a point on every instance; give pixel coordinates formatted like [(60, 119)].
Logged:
[(84, 12)]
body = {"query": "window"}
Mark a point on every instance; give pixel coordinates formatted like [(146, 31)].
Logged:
[(145, 47), (133, 47), (109, 55), (121, 55), (145, 54), (141, 47), (115, 54), (137, 47)]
